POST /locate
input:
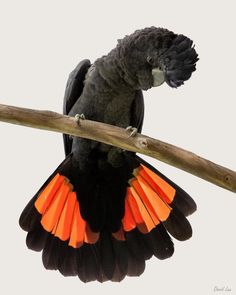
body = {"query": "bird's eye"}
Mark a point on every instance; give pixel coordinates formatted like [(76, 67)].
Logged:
[(150, 60)]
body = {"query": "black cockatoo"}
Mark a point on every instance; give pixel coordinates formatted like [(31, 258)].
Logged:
[(104, 211)]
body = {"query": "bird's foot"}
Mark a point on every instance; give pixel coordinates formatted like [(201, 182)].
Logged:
[(79, 117), (132, 131)]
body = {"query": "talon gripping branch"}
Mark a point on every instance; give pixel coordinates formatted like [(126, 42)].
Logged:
[(104, 211)]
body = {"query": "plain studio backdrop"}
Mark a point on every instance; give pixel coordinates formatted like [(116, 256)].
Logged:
[(41, 42)]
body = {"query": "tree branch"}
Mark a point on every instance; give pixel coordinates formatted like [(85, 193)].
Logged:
[(116, 136)]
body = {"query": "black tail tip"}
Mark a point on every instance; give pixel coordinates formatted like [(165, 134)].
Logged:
[(180, 61)]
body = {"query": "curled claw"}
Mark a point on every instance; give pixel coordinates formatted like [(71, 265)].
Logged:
[(79, 117), (133, 131)]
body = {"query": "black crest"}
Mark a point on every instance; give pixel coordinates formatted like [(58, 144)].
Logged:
[(179, 61)]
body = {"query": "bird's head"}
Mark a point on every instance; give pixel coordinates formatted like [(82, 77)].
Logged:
[(152, 56)]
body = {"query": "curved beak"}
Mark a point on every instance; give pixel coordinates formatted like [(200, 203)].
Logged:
[(158, 77)]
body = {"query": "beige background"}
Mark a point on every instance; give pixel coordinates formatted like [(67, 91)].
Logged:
[(40, 43)]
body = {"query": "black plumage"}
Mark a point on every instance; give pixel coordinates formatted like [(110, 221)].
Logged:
[(110, 91)]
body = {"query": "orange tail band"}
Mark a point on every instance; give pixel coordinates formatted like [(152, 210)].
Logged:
[(60, 211), (147, 203)]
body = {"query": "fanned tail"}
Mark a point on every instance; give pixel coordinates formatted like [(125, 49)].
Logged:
[(154, 208)]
